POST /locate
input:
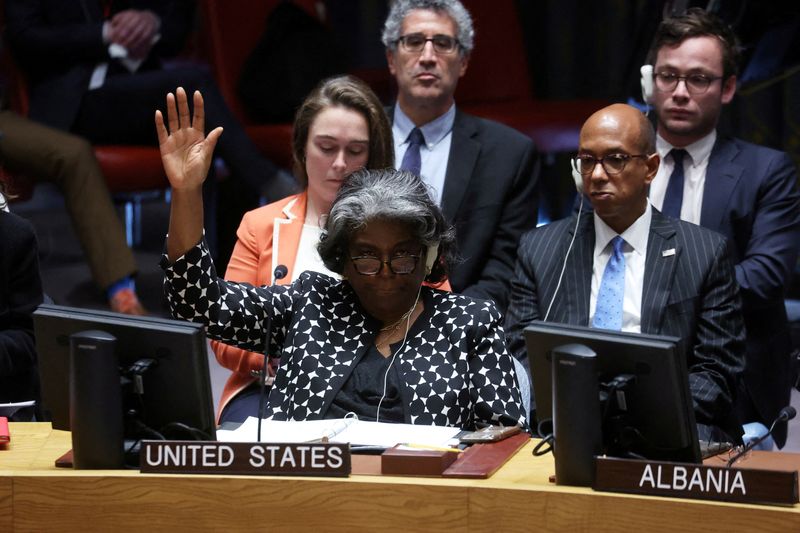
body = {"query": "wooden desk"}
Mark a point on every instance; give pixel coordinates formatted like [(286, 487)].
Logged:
[(36, 496)]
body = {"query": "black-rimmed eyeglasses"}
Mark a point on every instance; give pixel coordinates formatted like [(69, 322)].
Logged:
[(415, 43), (369, 265), (612, 163), (695, 83)]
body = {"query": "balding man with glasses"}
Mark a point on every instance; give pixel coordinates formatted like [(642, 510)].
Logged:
[(624, 266), (481, 173), (746, 192)]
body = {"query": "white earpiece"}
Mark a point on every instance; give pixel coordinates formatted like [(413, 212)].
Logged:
[(430, 257), (576, 175), (647, 83)]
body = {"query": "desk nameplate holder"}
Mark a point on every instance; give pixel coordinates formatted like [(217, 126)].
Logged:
[(245, 458), (696, 481)]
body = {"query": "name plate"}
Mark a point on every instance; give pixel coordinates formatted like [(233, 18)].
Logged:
[(244, 458), (686, 480)]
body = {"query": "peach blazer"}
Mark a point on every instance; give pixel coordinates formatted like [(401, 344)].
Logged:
[(273, 227)]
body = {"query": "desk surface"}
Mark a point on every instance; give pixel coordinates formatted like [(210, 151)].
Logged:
[(36, 496)]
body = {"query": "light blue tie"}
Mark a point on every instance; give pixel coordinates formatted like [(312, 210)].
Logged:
[(608, 312)]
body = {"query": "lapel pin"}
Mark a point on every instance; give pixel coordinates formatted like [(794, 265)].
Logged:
[(667, 253)]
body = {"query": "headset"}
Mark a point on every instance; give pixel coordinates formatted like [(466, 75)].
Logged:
[(430, 257), (576, 176), (647, 83), (578, 179)]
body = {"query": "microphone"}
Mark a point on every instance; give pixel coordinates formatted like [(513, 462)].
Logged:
[(279, 273), (785, 414)]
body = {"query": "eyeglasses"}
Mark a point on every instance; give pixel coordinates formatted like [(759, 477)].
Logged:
[(369, 265), (695, 83), (612, 163), (415, 43)]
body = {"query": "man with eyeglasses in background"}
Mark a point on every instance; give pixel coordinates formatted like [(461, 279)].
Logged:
[(483, 174), (624, 266), (748, 193)]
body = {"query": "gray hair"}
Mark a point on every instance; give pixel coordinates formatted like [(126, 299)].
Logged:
[(393, 195), (465, 33)]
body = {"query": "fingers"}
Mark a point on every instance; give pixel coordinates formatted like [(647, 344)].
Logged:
[(213, 137), (178, 115), (184, 118), (161, 130), (133, 29), (172, 113), (199, 120)]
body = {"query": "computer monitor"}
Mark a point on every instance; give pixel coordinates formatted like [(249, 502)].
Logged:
[(176, 389), (660, 411)]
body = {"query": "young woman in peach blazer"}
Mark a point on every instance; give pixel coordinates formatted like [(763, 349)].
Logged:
[(340, 128)]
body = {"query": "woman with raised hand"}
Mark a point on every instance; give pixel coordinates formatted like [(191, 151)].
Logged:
[(377, 342)]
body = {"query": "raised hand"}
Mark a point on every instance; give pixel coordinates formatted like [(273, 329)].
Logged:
[(186, 152)]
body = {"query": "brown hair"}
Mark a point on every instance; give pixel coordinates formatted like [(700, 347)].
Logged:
[(697, 22), (351, 93)]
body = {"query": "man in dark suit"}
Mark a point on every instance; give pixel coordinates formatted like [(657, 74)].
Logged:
[(96, 68), (483, 174), (747, 193), (20, 294), (630, 268)]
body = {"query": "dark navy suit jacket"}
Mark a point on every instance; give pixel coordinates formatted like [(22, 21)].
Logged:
[(59, 42), (20, 294), (690, 294), (490, 196), (751, 198)]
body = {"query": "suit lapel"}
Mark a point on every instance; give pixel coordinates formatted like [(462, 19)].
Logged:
[(659, 271), (287, 230), (464, 151), (579, 274), (722, 176)]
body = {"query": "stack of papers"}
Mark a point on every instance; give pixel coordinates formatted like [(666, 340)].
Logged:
[(341, 430), (8, 409)]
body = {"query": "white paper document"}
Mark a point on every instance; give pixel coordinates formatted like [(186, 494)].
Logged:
[(8, 409), (341, 430)]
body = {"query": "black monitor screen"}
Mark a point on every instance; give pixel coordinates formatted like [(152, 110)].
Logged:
[(659, 403), (176, 389)]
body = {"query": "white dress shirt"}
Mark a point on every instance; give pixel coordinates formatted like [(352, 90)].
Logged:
[(694, 175), (434, 154), (635, 251), (307, 257)]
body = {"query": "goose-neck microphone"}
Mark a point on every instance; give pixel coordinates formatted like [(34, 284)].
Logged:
[(279, 273), (785, 414)]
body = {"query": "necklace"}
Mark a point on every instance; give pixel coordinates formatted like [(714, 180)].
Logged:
[(396, 325)]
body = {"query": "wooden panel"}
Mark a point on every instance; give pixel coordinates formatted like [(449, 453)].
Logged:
[(6, 499), (519, 497), (140, 502), (573, 509)]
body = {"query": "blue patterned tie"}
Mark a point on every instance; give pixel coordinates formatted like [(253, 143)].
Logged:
[(411, 159), (608, 311), (674, 197)]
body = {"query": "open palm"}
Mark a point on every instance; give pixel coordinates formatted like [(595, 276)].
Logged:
[(186, 152)]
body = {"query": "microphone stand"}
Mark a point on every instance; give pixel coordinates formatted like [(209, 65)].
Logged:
[(786, 414), (263, 375), (280, 273)]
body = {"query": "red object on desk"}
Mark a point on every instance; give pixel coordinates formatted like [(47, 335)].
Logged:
[(480, 461), (5, 436)]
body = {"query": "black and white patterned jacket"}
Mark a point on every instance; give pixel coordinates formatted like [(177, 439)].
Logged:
[(455, 368)]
